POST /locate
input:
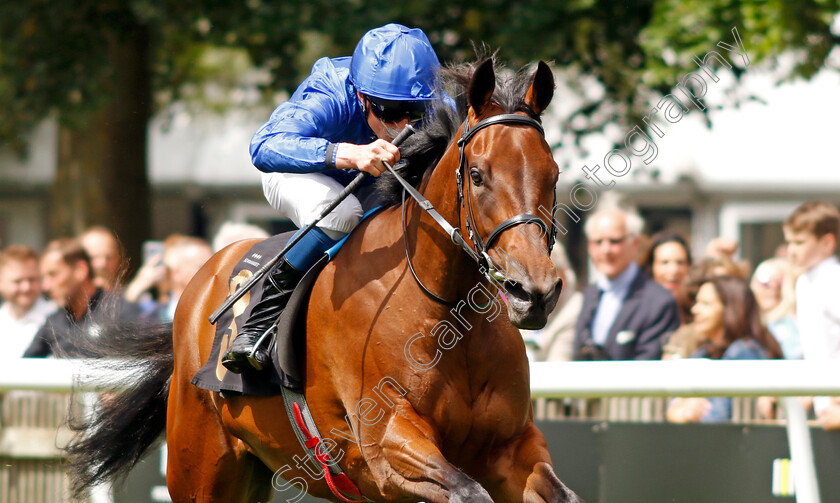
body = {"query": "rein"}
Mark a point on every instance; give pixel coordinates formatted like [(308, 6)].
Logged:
[(477, 252)]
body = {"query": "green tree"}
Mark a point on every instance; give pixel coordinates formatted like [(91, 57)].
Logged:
[(104, 66)]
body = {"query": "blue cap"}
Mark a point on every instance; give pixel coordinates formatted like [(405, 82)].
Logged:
[(395, 63)]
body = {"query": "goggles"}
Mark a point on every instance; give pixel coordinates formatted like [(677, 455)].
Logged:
[(394, 111)]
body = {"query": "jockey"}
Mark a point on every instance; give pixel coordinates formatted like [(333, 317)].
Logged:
[(338, 122)]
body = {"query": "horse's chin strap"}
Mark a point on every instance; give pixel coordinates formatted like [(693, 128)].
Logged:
[(477, 252)]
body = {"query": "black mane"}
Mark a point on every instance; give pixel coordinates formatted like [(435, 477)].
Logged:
[(422, 151)]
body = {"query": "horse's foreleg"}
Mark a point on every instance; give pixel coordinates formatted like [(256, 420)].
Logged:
[(530, 477), (410, 464)]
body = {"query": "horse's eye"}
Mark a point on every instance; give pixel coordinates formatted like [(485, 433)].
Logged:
[(476, 176)]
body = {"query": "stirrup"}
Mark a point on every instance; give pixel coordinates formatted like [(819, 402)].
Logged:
[(252, 356)]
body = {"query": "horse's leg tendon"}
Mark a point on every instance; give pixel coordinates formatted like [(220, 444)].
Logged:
[(414, 466)]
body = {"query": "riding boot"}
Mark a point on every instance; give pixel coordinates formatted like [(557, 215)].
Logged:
[(277, 289)]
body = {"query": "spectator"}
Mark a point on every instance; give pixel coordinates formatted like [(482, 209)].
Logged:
[(721, 266), (709, 267), (182, 258), (106, 256), (727, 315), (68, 279), (24, 311), (811, 234), (668, 261), (148, 287), (773, 285), (231, 232), (554, 342), (625, 314), (687, 339), (829, 417), (721, 248)]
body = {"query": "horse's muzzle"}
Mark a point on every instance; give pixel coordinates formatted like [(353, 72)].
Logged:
[(528, 305)]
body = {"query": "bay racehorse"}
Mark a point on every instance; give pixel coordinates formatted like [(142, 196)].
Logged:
[(424, 398)]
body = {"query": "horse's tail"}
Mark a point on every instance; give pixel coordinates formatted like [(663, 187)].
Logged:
[(123, 425)]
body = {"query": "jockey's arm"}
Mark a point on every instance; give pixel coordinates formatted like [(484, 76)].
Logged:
[(296, 139)]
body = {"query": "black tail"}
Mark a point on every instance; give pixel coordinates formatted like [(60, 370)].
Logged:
[(123, 425)]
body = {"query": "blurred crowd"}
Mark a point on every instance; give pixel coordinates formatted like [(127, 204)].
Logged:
[(76, 284), (650, 298)]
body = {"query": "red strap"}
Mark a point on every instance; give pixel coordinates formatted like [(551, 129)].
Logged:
[(340, 482), (310, 440), (343, 483)]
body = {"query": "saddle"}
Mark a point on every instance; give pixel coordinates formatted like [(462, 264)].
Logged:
[(288, 346)]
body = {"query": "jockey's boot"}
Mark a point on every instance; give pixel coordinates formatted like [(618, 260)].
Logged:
[(277, 289)]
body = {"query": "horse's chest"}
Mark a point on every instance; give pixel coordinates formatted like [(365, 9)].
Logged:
[(491, 414)]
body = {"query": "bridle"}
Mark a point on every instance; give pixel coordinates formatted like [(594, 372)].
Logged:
[(478, 250)]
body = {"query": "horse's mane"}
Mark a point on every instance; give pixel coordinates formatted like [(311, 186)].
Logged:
[(421, 152)]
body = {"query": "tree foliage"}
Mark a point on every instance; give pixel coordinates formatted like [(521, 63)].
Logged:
[(54, 52)]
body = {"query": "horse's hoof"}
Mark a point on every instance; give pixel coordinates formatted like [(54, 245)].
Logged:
[(470, 492)]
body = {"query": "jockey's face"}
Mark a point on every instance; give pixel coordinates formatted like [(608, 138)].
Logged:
[(384, 130)]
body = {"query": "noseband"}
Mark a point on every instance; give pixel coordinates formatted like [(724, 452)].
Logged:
[(479, 248)]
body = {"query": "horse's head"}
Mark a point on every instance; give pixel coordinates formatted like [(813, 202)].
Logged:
[(509, 177)]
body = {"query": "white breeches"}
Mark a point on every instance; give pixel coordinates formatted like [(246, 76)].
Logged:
[(303, 196)]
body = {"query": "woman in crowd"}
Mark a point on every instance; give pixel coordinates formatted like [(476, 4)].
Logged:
[(685, 341), (727, 316), (668, 261), (773, 284)]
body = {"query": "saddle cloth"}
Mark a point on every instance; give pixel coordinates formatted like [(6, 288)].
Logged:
[(288, 347)]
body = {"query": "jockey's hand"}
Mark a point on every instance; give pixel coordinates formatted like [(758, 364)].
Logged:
[(368, 158)]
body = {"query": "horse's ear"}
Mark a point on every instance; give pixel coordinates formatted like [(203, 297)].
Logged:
[(542, 89), (482, 85)]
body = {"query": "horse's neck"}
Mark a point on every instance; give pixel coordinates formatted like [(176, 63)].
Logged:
[(446, 268)]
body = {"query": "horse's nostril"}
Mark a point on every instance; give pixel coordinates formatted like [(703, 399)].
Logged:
[(515, 290)]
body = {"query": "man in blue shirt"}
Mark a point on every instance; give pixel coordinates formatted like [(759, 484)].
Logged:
[(338, 122)]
